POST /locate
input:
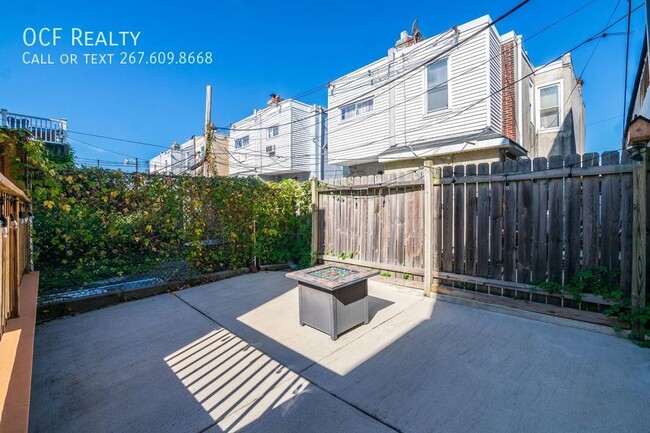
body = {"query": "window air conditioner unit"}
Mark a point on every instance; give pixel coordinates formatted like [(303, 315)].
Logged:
[(270, 150)]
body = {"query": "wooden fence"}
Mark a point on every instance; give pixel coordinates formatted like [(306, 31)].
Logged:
[(14, 249), (511, 224)]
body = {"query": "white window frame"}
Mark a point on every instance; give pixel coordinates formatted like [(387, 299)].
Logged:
[(355, 113), (425, 101), (248, 141), (272, 131), (538, 105)]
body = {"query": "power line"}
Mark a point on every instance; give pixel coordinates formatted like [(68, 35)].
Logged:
[(424, 63), (101, 149), (590, 39), (627, 53), (586, 41), (377, 69), (604, 120), (455, 77), (119, 139), (584, 68)]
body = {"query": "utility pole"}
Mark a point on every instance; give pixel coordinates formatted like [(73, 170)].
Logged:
[(208, 107), (194, 160), (208, 159), (136, 165)]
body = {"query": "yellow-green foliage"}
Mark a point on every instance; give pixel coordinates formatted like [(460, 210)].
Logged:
[(93, 224)]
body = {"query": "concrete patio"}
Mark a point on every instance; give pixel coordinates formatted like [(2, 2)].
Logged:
[(231, 356)]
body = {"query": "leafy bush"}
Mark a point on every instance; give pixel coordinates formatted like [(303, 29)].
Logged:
[(94, 224)]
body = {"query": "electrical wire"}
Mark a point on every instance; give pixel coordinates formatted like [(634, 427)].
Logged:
[(600, 34), (584, 68), (584, 42), (627, 55), (455, 77), (118, 139), (423, 46), (100, 149), (421, 65)]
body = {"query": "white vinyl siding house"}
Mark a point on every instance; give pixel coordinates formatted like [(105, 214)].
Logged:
[(277, 142), (423, 95), (187, 158)]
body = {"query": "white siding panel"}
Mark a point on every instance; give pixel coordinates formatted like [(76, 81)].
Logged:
[(243, 161), (364, 135), (303, 157), (361, 140), (295, 148)]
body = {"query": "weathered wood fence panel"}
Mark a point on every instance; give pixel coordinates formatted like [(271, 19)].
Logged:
[(518, 221)]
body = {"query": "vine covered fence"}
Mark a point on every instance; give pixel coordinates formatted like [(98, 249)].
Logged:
[(101, 230)]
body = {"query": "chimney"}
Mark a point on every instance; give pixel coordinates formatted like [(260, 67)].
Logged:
[(404, 40), (274, 101), (508, 102)]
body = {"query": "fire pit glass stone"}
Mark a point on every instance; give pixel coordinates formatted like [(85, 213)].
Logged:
[(332, 273)]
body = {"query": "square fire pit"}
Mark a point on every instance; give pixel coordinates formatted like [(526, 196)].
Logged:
[(333, 298)]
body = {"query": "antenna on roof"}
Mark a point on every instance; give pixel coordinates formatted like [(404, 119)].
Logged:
[(415, 31)]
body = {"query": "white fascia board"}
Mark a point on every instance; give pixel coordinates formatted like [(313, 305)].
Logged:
[(480, 21), (446, 149), (350, 162), (361, 70)]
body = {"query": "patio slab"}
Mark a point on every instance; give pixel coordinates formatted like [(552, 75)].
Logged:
[(470, 370), (262, 308), (104, 371), (230, 356)]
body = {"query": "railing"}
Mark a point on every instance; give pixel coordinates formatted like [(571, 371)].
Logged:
[(50, 131), (14, 247)]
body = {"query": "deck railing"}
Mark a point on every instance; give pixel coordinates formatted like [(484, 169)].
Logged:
[(50, 131), (15, 258)]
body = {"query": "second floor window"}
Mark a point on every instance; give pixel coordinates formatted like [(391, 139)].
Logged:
[(241, 142), (437, 86), (273, 131), (357, 109), (549, 106)]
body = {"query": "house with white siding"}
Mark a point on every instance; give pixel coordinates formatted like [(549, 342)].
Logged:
[(187, 158), (460, 96), (285, 140)]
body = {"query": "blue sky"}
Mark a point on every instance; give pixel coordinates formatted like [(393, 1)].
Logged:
[(262, 47)]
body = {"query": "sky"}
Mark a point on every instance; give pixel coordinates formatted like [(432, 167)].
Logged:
[(262, 47)]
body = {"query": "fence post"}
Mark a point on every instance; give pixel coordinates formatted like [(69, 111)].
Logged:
[(314, 221), (428, 227), (639, 197)]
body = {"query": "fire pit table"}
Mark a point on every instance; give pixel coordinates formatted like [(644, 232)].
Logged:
[(333, 298)]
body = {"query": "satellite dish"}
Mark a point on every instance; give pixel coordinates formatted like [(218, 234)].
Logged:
[(414, 28), (415, 31)]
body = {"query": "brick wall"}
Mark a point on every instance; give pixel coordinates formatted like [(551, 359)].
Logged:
[(508, 94)]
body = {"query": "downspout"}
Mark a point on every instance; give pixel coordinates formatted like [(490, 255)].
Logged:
[(391, 101), (259, 125), (318, 158), (323, 144), (520, 95)]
